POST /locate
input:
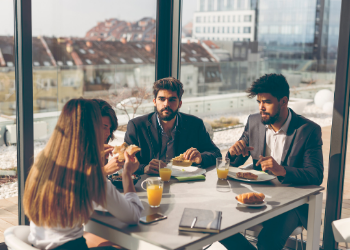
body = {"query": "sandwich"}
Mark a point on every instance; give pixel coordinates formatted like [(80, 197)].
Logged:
[(129, 149), (246, 175), (181, 161)]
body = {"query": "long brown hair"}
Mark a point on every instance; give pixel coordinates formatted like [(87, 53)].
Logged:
[(107, 110), (67, 175)]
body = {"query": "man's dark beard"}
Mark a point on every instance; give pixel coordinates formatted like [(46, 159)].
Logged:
[(272, 119), (167, 117)]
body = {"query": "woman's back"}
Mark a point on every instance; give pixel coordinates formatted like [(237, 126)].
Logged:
[(67, 179)]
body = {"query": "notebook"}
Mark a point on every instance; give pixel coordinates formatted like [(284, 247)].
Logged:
[(200, 220)]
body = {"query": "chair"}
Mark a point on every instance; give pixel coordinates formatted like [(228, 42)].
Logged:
[(341, 230), (16, 238), (255, 230)]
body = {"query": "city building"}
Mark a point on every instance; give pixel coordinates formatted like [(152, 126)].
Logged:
[(227, 20)]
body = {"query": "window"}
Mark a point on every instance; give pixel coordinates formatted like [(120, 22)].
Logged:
[(218, 19), (233, 18), (223, 19), (247, 18), (198, 30), (210, 5), (203, 29), (228, 18), (238, 30), (246, 30), (228, 29), (198, 19), (202, 5), (223, 29), (233, 29)]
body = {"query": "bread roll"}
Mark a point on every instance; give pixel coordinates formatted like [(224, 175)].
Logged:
[(132, 149), (251, 198)]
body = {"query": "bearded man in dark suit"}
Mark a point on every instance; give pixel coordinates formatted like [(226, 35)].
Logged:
[(283, 144)]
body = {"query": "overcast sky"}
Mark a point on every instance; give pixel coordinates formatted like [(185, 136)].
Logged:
[(76, 17)]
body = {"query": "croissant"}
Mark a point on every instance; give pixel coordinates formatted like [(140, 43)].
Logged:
[(251, 198), (247, 175)]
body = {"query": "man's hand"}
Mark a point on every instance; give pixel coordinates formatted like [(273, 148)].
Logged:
[(268, 163), (108, 150), (152, 167), (131, 164), (113, 166), (240, 148), (194, 155)]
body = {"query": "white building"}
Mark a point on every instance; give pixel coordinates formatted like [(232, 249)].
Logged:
[(224, 20)]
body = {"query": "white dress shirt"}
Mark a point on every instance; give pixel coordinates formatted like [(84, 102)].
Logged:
[(275, 140), (126, 208)]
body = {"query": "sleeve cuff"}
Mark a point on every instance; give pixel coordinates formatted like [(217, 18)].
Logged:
[(133, 197)]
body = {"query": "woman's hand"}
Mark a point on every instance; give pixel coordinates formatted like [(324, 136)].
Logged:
[(131, 164), (108, 150), (113, 166)]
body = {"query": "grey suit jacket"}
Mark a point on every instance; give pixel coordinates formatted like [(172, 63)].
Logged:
[(302, 153)]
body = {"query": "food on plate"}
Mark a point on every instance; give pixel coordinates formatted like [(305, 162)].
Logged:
[(130, 149), (246, 175), (181, 161), (251, 198)]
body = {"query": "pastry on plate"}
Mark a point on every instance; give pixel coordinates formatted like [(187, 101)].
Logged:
[(251, 198)]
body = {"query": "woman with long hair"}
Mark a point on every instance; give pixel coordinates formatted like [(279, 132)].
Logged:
[(109, 125), (67, 179)]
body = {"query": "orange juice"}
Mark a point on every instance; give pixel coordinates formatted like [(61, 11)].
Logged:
[(222, 173), (165, 174), (154, 195)]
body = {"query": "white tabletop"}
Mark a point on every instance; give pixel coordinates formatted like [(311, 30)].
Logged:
[(209, 194)]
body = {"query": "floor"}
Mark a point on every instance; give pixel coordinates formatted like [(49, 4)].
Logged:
[(9, 207)]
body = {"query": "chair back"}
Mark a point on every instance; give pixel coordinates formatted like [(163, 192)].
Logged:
[(341, 230), (16, 238)]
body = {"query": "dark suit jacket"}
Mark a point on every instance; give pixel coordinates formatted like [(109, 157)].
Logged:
[(143, 132), (302, 153)]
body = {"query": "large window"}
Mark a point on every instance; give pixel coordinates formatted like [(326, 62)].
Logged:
[(8, 149), (282, 39)]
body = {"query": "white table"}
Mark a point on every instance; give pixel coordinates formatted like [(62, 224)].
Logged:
[(209, 194)]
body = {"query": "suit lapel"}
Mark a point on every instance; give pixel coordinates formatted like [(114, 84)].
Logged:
[(153, 135), (262, 138), (181, 136), (289, 136)]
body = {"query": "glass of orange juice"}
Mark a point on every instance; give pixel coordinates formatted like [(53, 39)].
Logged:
[(165, 168), (154, 190), (222, 166)]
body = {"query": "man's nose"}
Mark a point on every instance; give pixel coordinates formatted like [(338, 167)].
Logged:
[(166, 103), (261, 106)]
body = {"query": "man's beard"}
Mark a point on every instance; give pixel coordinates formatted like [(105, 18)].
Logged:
[(271, 119), (168, 117)]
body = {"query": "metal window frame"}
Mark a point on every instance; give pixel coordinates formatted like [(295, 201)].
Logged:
[(168, 35), (24, 97), (339, 135)]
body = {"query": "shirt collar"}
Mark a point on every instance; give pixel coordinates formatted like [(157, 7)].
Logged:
[(160, 124), (285, 126)]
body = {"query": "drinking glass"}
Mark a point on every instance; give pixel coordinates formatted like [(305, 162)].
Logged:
[(222, 167), (154, 190), (165, 169)]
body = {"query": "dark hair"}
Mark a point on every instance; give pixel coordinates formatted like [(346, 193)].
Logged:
[(169, 83), (274, 84), (107, 110)]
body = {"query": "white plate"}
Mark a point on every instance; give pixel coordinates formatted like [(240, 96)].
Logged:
[(262, 176), (187, 171), (253, 205)]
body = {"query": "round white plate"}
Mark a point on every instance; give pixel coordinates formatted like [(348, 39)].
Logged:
[(186, 171), (262, 176), (253, 205)]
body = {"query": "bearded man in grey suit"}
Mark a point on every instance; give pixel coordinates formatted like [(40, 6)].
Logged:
[(281, 143)]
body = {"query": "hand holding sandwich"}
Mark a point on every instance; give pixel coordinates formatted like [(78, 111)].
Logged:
[(193, 155)]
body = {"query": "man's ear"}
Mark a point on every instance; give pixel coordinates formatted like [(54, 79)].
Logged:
[(180, 104), (154, 102), (284, 101)]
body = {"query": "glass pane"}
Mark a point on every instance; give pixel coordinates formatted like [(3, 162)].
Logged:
[(8, 149), (226, 45), (92, 49)]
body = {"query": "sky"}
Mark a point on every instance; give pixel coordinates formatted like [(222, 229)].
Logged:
[(76, 17)]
